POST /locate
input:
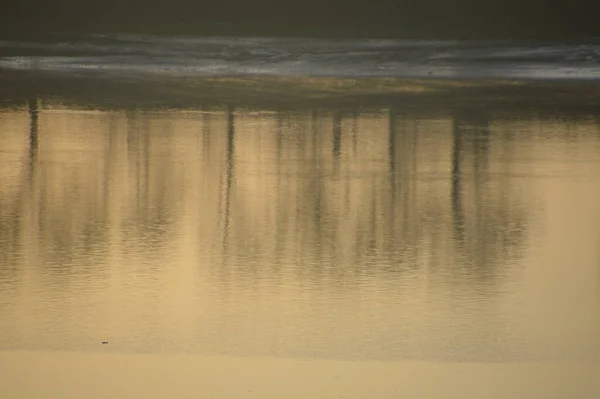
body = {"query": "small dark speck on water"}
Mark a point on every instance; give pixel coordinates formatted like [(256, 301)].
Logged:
[(104, 342)]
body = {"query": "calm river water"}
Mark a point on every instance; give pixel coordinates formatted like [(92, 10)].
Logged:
[(308, 252)]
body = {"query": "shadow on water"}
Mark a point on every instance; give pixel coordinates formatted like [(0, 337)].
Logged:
[(229, 165), (33, 132), (393, 201), (484, 217), (457, 211), (296, 221)]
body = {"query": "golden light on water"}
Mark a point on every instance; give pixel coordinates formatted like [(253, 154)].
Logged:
[(366, 251)]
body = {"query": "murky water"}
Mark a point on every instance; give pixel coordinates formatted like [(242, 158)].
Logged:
[(268, 56), (318, 253)]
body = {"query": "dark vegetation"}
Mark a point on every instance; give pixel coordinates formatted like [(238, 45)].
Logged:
[(425, 96), (472, 19)]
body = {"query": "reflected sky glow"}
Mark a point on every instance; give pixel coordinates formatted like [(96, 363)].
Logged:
[(309, 234)]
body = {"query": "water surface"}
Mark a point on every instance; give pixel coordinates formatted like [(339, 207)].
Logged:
[(307, 57), (334, 248)]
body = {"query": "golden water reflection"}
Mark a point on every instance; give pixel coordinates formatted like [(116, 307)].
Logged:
[(347, 234)]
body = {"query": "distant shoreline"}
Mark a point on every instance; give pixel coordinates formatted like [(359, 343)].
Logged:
[(407, 19), (150, 91)]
